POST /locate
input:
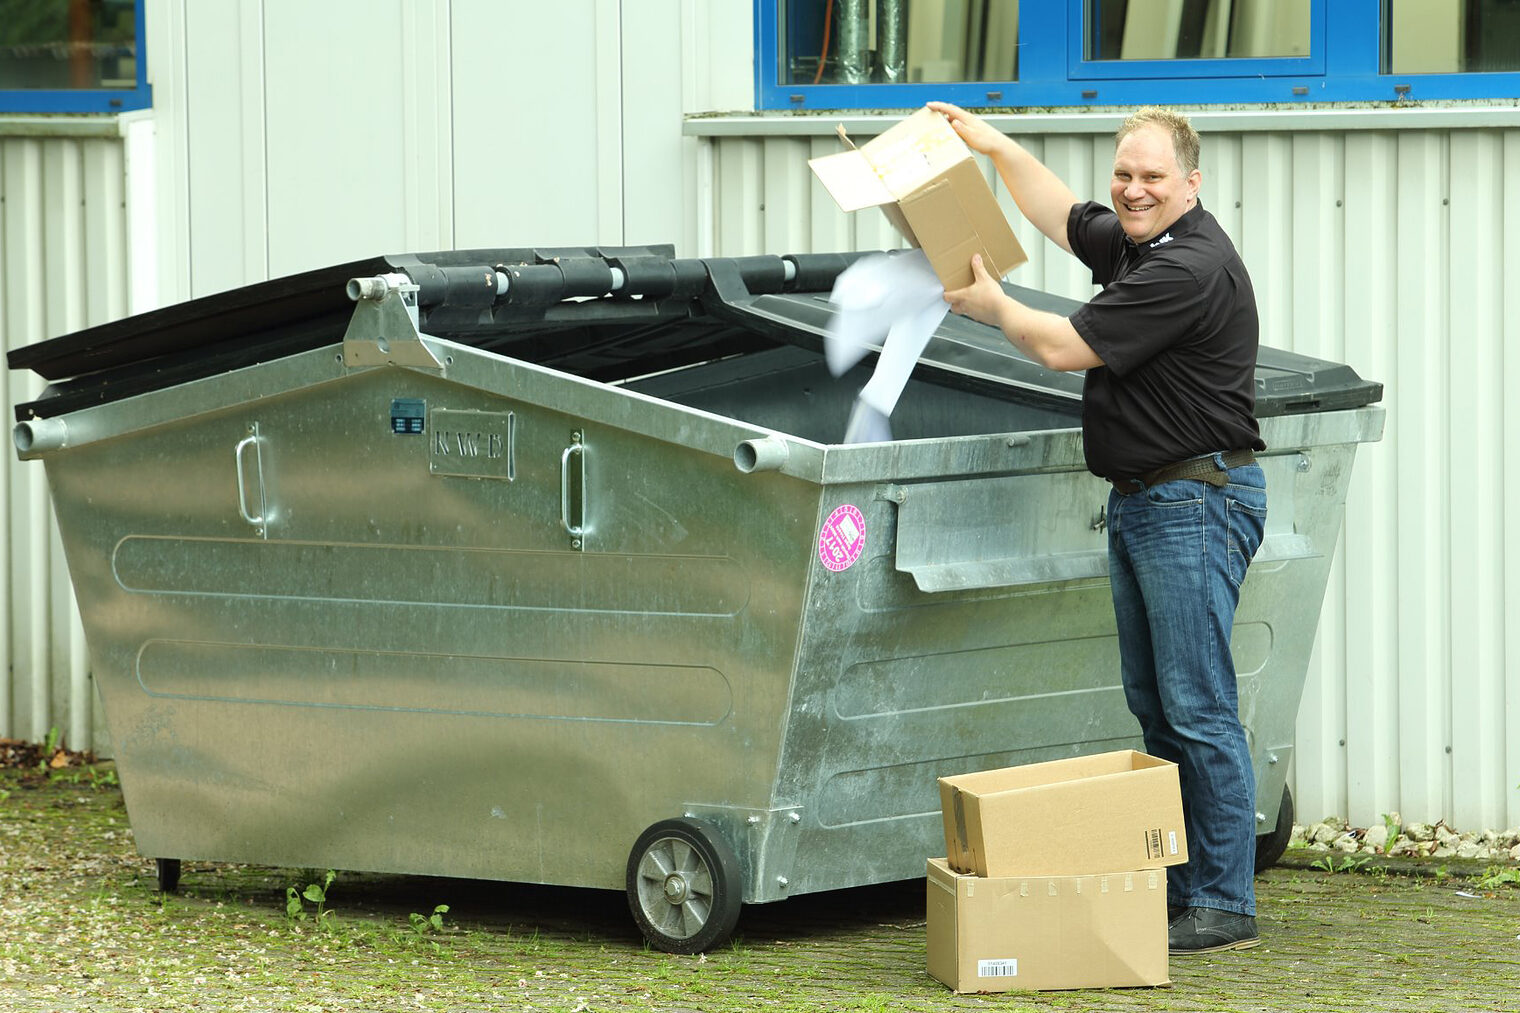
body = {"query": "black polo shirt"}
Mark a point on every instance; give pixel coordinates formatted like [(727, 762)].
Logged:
[(1176, 328)]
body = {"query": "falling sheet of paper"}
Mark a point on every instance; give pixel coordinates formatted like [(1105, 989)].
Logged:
[(867, 425), (897, 295)]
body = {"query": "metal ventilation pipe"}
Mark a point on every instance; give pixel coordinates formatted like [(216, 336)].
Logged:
[(854, 41), (892, 40)]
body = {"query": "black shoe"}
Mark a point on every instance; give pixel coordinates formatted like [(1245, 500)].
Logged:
[(1206, 930), (1174, 912)]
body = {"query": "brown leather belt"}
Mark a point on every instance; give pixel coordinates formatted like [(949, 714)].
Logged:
[(1203, 469)]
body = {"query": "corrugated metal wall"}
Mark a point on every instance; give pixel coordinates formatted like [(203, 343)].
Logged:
[(1386, 249), (63, 266), (410, 143)]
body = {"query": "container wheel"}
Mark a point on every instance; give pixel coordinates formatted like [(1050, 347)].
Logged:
[(1270, 846), (168, 875), (683, 886)]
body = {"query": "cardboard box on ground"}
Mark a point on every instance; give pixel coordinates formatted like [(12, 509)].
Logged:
[(1056, 874), (928, 183), (1046, 932), (1100, 813)]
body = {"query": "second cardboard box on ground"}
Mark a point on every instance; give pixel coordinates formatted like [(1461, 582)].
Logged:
[(1077, 816)]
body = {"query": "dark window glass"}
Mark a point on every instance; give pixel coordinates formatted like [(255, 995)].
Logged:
[(1451, 36), (1196, 29), (898, 41), (68, 44)]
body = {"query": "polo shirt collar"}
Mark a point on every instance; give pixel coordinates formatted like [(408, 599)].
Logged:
[(1181, 227)]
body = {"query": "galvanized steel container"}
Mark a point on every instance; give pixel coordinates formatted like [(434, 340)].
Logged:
[(544, 566)]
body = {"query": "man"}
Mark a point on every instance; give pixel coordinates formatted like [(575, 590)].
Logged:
[(1168, 403)]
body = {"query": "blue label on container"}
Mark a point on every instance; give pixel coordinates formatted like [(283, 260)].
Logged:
[(407, 414)]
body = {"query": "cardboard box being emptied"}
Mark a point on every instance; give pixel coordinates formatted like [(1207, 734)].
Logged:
[(1085, 814), (997, 935), (922, 175)]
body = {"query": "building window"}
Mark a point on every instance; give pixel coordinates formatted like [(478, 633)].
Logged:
[(1453, 36), (900, 41), (1196, 29), (897, 54), (72, 56), (1120, 39)]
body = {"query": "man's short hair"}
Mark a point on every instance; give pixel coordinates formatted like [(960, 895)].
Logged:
[(1184, 137)]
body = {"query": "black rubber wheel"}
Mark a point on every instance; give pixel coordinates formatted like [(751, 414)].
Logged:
[(683, 886), (168, 875), (1270, 847)]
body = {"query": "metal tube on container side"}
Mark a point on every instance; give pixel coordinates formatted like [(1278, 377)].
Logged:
[(374, 288), (768, 453), (38, 436)]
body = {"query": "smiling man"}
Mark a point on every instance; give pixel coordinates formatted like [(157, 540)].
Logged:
[(1168, 418)]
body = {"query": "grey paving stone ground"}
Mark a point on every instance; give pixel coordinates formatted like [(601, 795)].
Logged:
[(82, 929)]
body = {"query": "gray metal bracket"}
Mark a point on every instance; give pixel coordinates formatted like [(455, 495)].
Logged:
[(383, 330), (1272, 775), (765, 842)]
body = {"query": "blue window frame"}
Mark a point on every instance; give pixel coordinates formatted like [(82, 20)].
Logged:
[(1347, 62), (93, 67)]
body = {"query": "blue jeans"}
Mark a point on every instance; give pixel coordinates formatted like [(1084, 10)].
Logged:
[(1177, 553)]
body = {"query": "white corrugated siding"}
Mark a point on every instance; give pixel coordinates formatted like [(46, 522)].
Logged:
[(63, 266), (1385, 249)]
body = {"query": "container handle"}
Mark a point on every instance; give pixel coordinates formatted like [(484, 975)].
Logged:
[(572, 491), (252, 439)]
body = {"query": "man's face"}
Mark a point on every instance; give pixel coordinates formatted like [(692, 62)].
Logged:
[(1149, 189)]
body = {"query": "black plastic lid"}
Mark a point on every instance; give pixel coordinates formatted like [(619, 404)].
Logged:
[(603, 313)]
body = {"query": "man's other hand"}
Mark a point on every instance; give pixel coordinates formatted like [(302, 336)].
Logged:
[(983, 300), (1047, 338)]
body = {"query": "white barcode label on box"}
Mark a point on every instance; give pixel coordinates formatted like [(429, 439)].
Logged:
[(1172, 840), (1008, 968)]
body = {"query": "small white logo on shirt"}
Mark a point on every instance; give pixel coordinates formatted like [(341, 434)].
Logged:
[(1164, 239)]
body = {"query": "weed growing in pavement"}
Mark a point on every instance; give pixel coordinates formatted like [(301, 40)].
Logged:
[(295, 909), (423, 924), (1349, 865), (1497, 875), (90, 775), (49, 747), (526, 944), (737, 957)]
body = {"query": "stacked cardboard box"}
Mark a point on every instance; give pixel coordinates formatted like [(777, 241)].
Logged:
[(1054, 875)]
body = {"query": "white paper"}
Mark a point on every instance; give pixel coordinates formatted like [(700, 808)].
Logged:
[(867, 425), (896, 295)]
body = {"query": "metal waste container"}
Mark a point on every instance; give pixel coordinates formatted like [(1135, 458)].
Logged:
[(545, 566)]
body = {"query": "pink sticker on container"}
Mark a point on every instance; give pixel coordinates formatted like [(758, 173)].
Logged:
[(842, 539)]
